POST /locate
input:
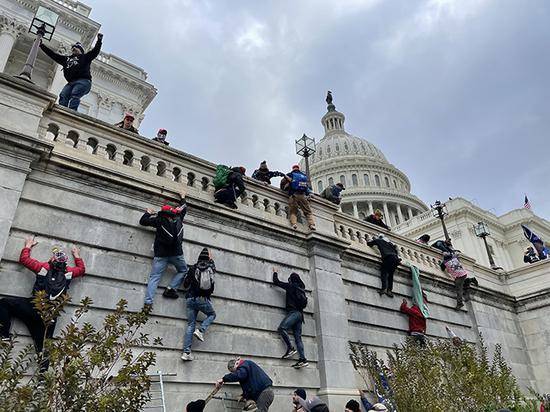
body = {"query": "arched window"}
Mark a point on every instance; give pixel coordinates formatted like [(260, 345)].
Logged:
[(377, 180), (387, 181), (354, 180), (161, 168), (394, 184), (330, 181), (176, 174), (320, 186), (92, 145), (145, 162), (367, 180), (73, 136), (343, 180), (52, 132), (128, 158), (111, 151), (337, 147)]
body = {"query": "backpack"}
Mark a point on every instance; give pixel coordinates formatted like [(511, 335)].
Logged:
[(54, 281), (299, 182), (167, 232), (204, 275), (221, 177), (300, 298)]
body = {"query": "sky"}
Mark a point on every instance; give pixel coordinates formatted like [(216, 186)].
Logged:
[(456, 93)]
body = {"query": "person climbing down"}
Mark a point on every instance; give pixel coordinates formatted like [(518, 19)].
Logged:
[(168, 223), (161, 137), (76, 70), (52, 277), (377, 218), (417, 321), (390, 261), (231, 187), (127, 123), (263, 174), (255, 383), (199, 283), (296, 302), (299, 192), (333, 193)]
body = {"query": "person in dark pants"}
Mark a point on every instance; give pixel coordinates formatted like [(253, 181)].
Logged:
[(168, 223), (234, 188), (76, 69), (390, 261), (417, 321), (255, 383), (23, 308), (199, 283), (296, 302)]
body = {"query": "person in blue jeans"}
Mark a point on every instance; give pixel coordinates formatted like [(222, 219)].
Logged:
[(76, 69), (168, 223), (296, 302), (199, 284)]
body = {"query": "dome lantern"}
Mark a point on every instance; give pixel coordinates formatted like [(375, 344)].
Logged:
[(333, 121)]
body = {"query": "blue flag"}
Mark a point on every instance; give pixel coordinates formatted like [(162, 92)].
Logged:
[(537, 242)]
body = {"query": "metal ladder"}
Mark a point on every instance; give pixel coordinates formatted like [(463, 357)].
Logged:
[(156, 390)]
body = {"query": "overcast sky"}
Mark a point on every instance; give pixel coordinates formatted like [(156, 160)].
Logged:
[(455, 93)]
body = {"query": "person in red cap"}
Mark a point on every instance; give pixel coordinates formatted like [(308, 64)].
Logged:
[(127, 123), (299, 192), (161, 137), (234, 188)]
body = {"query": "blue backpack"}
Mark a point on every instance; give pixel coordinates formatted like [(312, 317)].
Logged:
[(299, 182)]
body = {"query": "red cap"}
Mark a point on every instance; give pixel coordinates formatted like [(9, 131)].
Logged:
[(166, 208), (296, 167), (163, 131), (243, 170)]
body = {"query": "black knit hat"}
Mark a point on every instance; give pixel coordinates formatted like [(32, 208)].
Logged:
[(196, 406), (353, 405), (204, 256), (301, 393), (78, 46)]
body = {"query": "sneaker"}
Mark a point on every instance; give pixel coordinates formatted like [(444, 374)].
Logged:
[(459, 306), (474, 282), (289, 353), (302, 363), (294, 227), (312, 227), (147, 308), (199, 335), (170, 293), (232, 205), (381, 291), (389, 293), (186, 357)]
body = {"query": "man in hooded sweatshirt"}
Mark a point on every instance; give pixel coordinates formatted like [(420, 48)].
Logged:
[(263, 174), (234, 188), (390, 261), (296, 302), (199, 284), (76, 69)]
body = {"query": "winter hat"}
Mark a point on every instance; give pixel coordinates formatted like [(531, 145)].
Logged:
[(378, 407), (301, 393), (204, 256), (341, 186), (196, 406), (310, 403), (242, 170), (263, 165), (78, 46), (296, 167), (353, 405), (162, 131)]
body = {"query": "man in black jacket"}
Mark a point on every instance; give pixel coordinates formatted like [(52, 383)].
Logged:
[(168, 223), (377, 218), (263, 174), (296, 301), (76, 69), (234, 188), (390, 261), (199, 284)]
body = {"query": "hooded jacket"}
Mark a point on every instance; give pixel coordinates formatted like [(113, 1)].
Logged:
[(291, 289), (76, 66), (265, 175), (168, 221), (235, 179), (191, 283), (313, 405), (417, 321), (251, 377)]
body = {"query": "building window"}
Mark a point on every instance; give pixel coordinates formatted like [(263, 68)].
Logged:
[(387, 181), (395, 184), (367, 181), (337, 147), (377, 180), (330, 181), (343, 180), (320, 186), (354, 180)]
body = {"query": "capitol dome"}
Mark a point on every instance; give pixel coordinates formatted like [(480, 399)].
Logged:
[(371, 181)]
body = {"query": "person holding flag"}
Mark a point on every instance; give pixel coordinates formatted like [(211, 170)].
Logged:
[(537, 242)]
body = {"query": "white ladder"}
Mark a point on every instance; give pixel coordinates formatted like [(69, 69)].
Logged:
[(156, 390)]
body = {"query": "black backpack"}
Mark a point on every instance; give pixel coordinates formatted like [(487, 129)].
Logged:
[(54, 282), (300, 298)]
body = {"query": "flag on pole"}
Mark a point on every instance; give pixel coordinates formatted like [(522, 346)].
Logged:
[(537, 242), (526, 203)]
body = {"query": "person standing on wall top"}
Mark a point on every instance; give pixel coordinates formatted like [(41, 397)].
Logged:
[(263, 174), (76, 69), (255, 383), (168, 223), (127, 123), (333, 193), (53, 277), (390, 261), (377, 218), (199, 284), (161, 137), (295, 303), (299, 192)]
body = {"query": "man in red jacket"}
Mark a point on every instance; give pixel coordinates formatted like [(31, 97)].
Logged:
[(417, 321), (53, 277)]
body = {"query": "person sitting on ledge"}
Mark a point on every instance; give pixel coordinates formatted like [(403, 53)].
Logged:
[(127, 123), (76, 69), (333, 193), (161, 137), (423, 240), (377, 218), (263, 174)]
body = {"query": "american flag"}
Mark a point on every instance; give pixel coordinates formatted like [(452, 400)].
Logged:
[(526, 204)]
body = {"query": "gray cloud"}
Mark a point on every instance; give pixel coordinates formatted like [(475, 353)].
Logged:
[(455, 93)]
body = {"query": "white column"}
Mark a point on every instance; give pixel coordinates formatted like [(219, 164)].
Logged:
[(399, 213), (410, 212), (7, 40), (386, 214), (355, 210), (371, 209)]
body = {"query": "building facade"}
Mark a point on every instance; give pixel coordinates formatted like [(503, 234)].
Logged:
[(371, 181), (118, 86)]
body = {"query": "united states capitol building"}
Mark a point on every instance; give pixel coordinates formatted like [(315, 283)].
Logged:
[(73, 178)]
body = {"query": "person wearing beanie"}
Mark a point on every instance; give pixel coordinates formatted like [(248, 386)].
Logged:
[(161, 137), (167, 248), (196, 406), (127, 123), (299, 393), (199, 284), (377, 218), (234, 188), (390, 261), (298, 197), (295, 303), (76, 69), (313, 405), (352, 406), (333, 193), (263, 174)]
